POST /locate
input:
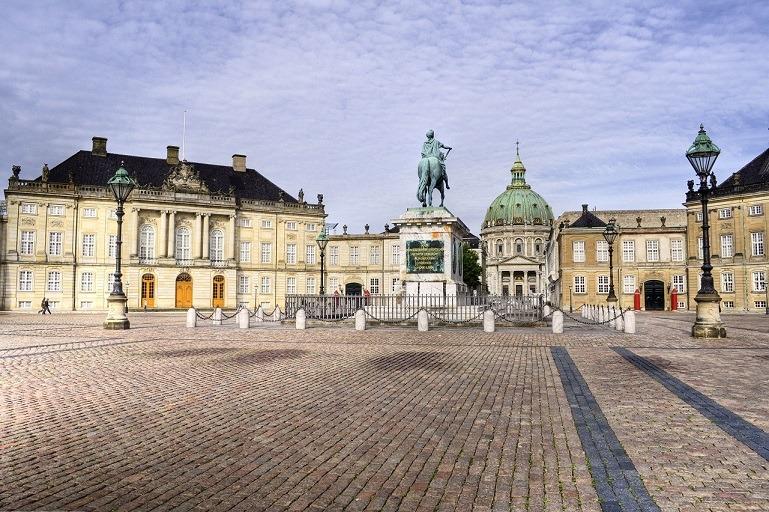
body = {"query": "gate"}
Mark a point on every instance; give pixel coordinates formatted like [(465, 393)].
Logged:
[(654, 296)]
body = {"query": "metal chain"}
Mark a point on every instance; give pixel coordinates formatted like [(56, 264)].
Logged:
[(226, 317), (593, 322), (398, 321), (467, 321)]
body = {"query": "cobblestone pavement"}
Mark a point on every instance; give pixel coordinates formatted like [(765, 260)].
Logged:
[(216, 418)]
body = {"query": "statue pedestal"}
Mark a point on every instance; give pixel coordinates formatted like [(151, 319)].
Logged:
[(432, 238)]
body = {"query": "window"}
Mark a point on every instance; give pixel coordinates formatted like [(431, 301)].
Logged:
[(578, 251), (628, 250), (291, 254), (760, 304), (244, 222), (396, 285), (334, 255), (265, 284), (243, 284), (291, 225), (245, 251), (291, 285), (579, 284), (727, 248), (112, 246), (602, 250), (603, 284), (652, 250), (267, 223), (311, 226), (54, 281), (757, 243), (628, 284), (500, 247), (755, 209), (29, 208), (86, 282), (354, 255), (679, 284), (27, 243), (700, 249), (725, 213), (727, 282), (698, 216), (183, 243), (538, 246), (395, 258), (89, 245), (309, 254), (728, 304), (518, 246), (55, 243), (759, 281), (333, 284), (681, 304), (113, 214), (266, 254), (310, 286), (146, 242), (110, 282), (56, 210), (25, 304), (216, 245), (374, 285), (25, 280), (373, 257), (86, 304), (89, 213)]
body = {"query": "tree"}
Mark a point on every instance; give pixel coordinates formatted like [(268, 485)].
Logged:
[(472, 269)]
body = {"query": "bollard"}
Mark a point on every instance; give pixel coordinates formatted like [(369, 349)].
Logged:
[(218, 316), (583, 312), (360, 320), (612, 312), (619, 324), (546, 311), (557, 322), (630, 322), (423, 323), (259, 315), (489, 321), (301, 319), (244, 320), (192, 318)]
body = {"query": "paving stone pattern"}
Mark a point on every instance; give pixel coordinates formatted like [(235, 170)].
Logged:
[(217, 418)]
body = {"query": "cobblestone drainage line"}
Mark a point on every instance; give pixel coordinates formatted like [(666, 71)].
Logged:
[(617, 483), (731, 423)]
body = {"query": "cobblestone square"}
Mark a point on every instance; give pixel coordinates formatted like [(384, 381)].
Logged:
[(217, 418)]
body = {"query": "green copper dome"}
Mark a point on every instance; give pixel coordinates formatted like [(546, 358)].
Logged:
[(518, 204)]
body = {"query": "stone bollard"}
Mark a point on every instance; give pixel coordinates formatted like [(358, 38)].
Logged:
[(630, 322), (619, 324), (244, 319), (301, 319), (583, 312), (601, 315), (546, 311), (192, 318), (423, 323), (557, 322), (360, 320), (611, 312), (489, 321), (592, 313), (259, 315), (218, 316)]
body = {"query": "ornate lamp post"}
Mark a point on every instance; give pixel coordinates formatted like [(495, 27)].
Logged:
[(702, 155), (121, 185), (610, 234), (322, 241)]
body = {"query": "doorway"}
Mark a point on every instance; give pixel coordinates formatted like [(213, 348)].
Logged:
[(654, 296), (184, 291), (353, 289), (217, 297), (148, 291)]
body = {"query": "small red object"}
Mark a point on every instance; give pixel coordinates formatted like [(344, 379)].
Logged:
[(637, 300), (674, 300)]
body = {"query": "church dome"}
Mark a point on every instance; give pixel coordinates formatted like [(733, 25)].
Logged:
[(518, 204)]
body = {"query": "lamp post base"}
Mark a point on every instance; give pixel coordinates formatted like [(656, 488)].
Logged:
[(708, 323), (117, 306)]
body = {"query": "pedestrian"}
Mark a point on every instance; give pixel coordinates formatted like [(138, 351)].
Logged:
[(47, 306), (42, 307)]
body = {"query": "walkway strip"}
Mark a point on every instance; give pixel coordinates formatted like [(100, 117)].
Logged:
[(617, 482), (731, 423)]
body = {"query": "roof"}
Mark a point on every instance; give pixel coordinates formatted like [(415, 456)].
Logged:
[(587, 220), (87, 168), (675, 218), (753, 176)]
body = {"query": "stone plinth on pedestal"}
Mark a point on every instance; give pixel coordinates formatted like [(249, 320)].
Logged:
[(117, 318), (432, 238)]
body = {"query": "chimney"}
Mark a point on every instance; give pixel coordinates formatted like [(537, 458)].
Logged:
[(172, 155), (239, 163), (99, 146), (584, 208)]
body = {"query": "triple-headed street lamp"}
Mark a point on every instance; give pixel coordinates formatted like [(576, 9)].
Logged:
[(322, 241), (121, 185), (702, 155), (610, 234)]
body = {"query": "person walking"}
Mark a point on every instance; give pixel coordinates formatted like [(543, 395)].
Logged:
[(47, 308), (42, 307)]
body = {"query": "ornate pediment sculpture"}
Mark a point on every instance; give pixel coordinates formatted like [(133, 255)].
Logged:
[(184, 178)]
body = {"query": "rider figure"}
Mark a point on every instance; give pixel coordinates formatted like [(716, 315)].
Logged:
[(432, 147)]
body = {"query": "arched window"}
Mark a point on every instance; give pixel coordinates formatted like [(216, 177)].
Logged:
[(518, 246), (500, 247), (538, 246), (216, 245), (183, 243), (147, 242)]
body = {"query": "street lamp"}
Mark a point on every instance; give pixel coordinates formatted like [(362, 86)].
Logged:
[(322, 241), (702, 155), (610, 234), (121, 185)]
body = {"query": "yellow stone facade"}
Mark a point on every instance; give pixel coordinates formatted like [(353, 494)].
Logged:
[(356, 263)]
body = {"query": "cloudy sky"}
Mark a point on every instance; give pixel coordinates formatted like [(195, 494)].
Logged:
[(335, 96)]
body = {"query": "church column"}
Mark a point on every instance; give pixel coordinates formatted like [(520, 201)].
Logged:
[(135, 223), (206, 217), (163, 235), (197, 236), (231, 237), (171, 233)]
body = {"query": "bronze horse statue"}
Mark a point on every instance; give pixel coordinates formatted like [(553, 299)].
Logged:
[(430, 177)]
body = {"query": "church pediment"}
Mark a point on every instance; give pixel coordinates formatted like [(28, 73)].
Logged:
[(518, 259)]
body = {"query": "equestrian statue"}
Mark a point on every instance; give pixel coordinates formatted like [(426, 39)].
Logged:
[(432, 170)]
